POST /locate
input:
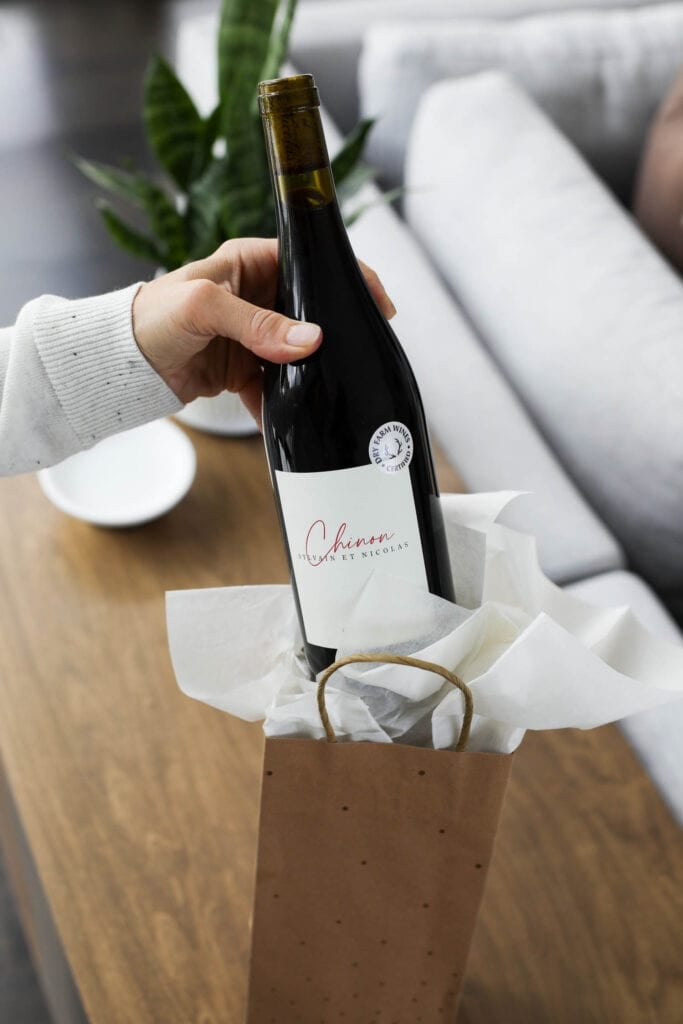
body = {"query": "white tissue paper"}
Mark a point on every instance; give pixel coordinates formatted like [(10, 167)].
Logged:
[(534, 656)]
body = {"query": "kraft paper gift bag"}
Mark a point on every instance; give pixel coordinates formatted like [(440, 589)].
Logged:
[(373, 852), (372, 860)]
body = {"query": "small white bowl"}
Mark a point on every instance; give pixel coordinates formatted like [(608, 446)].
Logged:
[(225, 415), (125, 480)]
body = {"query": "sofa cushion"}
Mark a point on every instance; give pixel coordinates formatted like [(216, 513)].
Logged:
[(659, 193), (580, 311), (655, 734), (599, 74)]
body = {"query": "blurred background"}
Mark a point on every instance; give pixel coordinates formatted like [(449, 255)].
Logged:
[(71, 82), (535, 252)]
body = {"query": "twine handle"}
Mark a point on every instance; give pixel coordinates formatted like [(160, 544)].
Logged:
[(397, 659)]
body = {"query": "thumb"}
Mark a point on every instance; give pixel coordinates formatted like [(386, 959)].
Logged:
[(210, 310)]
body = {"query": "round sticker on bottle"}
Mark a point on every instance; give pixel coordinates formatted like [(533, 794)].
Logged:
[(391, 447)]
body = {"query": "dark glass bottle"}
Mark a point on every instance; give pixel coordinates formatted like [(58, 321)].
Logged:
[(344, 429)]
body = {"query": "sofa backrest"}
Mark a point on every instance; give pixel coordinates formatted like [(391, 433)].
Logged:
[(327, 36), (599, 75)]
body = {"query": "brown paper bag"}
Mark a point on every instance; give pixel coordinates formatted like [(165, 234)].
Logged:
[(371, 866)]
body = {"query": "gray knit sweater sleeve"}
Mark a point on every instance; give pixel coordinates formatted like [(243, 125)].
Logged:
[(71, 373)]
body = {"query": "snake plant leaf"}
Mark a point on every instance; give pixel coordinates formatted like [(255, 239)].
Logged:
[(165, 222), (219, 193), (206, 239), (203, 210), (242, 211), (204, 152), (168, 226), (174, 128), (139, 190), (244, 35), (353, 182), (128, 238), (383, 200), (219, 207), (350, 152), (122, 183), (279, 43)]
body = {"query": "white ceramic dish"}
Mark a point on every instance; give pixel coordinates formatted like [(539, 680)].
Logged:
[(125, 480)]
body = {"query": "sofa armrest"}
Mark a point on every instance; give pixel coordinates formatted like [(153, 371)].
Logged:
[(655, 734)]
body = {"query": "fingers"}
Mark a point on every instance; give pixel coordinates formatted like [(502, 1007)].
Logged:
[(208, 311), (378, 292), (249, 265)]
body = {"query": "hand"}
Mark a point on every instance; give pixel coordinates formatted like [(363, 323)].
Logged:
[(207, 327)]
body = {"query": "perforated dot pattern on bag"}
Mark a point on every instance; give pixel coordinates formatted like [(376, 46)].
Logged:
[(372, 861)]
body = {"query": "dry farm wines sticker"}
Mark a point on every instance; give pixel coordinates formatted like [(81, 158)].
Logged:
[(391, 447)]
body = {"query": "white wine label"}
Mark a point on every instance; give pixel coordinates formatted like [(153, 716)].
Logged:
[(391, 447), (341, 526)]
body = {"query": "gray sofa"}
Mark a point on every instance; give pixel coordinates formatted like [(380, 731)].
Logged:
[(546, 333)]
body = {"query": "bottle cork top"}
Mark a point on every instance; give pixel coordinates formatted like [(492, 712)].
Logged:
[(287, 95)]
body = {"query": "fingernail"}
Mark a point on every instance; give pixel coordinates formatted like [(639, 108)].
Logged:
[(392, 308), (302, 334)]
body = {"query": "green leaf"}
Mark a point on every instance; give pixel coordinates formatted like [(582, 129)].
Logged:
[(242, 211), (354, 181), (128, 238), (165, 221), (203, 210), (168, 226), (386, 197), (351, 150), (244, 40), (174, 127), (219, 207), (244, 35), (210, 128), (279, 43), (226, 195), (122, 183)]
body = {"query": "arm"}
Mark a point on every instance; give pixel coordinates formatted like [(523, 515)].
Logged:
[(71, 373), (74, 372)]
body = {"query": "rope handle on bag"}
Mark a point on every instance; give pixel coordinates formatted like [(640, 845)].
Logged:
[(397, 659)]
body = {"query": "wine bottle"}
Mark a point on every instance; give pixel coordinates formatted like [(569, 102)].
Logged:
[(344, 428)]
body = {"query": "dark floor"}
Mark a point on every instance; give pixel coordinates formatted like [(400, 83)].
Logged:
[(70, 83), (21, 1001)]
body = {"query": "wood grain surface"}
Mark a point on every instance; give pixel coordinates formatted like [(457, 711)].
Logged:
[(140, 805)]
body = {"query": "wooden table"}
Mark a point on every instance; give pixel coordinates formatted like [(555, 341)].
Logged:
[(129, 811)]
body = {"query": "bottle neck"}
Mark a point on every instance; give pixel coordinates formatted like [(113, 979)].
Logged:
[(297, 150), (309, 221), (303, 186)]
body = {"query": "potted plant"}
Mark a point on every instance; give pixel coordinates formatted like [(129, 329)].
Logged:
[(212, 181)]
